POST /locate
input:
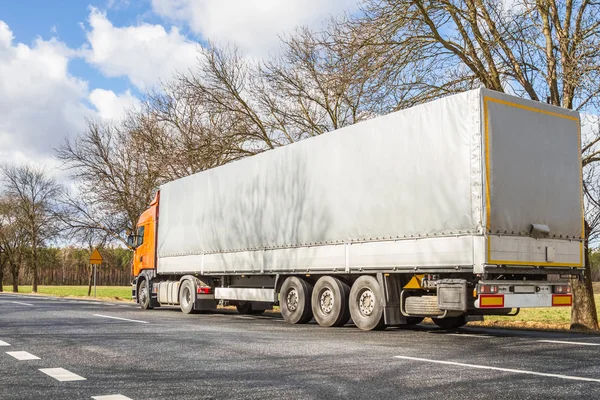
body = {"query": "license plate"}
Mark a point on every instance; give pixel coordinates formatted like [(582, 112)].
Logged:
[(524, 289)]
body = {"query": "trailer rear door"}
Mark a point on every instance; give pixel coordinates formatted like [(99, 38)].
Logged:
[(533, 176)]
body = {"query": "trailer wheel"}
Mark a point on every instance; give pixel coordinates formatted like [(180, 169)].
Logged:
[(330, 302), (144, 295), (366, 304), (187, 297), (451, 322), (294, 300)]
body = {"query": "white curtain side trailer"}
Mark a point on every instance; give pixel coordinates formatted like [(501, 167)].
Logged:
[(459, 191)]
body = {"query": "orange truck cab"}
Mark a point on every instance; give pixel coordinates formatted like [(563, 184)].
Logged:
[(143, 240)]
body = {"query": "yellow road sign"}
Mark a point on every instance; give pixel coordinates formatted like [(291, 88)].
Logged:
[(96, 258)]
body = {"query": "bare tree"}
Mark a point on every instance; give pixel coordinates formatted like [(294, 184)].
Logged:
[(35, 196), (13, 239), (114, 183)]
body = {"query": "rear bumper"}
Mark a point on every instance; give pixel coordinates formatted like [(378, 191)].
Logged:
[(514, 300)]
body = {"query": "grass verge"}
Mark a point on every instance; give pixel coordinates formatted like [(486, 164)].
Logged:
[(102, 292)]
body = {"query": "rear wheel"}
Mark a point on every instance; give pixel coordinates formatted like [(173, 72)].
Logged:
[(330, 302), (187, 297), (144, 295), (294, 300), (451, 322), (366, 304)]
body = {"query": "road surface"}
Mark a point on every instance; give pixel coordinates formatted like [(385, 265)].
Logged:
[(52, 348)]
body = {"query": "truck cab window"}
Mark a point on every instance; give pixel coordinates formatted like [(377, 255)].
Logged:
[(140, 236)]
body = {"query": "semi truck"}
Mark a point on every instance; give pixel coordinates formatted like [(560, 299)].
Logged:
[(466, 206)]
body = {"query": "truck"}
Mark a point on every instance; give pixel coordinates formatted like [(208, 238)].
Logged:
[(466, 206)]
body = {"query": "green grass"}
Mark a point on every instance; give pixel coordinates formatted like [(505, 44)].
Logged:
[(112, 292)]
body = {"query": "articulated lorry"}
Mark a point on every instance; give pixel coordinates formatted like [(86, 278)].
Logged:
[(466, 206)]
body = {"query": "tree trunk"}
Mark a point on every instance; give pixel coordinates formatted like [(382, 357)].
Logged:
[(15, 277), (34, 267), (583, 312), (2, 263)]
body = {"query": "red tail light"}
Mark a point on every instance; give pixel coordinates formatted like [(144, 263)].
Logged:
[(204, 290)]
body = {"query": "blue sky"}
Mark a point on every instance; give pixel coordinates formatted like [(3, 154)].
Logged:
[(62, 61)]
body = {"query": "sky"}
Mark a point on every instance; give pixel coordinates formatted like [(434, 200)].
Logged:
[(65, 61)]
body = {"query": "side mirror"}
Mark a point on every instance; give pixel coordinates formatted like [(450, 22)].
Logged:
[(131, 240)]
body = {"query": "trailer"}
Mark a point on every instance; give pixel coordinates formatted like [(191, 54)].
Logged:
[(466, 206)]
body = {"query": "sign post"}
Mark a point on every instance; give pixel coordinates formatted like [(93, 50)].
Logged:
[(95, 259)]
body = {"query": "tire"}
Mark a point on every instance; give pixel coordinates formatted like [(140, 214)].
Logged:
[(422, 305), (294, 300), (366, 304), (187, 297), (329, 302), (414, 320), (451, 322), (143, 295)]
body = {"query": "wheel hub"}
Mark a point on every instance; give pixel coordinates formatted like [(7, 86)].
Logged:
[(291, 300), (326, 301), (366, 303), (187, 297)]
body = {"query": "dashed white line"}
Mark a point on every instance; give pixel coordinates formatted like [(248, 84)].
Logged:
[(20, 302), (22, 355), (111, 397), (3, 343), (516, 371), (62, 375), (567, 342), (119, 318)]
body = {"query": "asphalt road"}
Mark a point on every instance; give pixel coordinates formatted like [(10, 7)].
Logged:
[(164, 354)]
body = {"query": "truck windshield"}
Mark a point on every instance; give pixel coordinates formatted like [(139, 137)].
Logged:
[(140, 236)]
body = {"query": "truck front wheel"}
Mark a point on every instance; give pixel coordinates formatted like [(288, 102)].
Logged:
[(294, 300), (144, 295), (330, 302), (366, 304)]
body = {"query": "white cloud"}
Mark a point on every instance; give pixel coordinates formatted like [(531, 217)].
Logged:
[(253, 25), (113, 107), (144, 53), (40, 101)]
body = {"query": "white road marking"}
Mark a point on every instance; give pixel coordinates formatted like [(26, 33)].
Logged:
[(22, 355), (244, 317), (567, 342), (111, 397), (3, 343), (19, 302), (62, 375), (119, 318), (516, 371), (469, 335)]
